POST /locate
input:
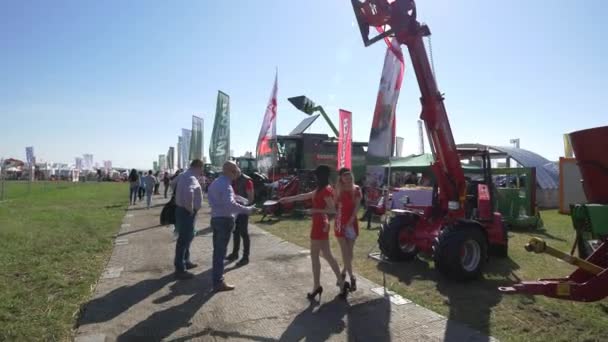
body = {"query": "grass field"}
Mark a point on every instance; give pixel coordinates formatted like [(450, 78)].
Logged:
[(54, 241), (479, 304)]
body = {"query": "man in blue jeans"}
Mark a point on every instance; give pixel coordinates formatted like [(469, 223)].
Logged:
[(223, 209), (188, 201)]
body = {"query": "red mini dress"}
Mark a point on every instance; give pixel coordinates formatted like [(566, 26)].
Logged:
[(320, 222), (347, 202)]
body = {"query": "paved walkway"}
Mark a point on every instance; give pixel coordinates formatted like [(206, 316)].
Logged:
[(137, 298)]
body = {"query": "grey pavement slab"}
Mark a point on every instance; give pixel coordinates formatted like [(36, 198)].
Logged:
[(137, 298)]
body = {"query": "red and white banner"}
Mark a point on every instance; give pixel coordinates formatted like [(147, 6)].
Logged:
[(345, 140), (264, 151)]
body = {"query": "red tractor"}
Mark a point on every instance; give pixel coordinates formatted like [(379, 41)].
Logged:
[(460, 227)]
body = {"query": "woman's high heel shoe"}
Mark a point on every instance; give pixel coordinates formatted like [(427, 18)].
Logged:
[(353, 284), (318, 291), (345, 290)]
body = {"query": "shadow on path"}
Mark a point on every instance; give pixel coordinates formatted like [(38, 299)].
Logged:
[(140, 230), (470, 303), (120, 300), (161, 324)]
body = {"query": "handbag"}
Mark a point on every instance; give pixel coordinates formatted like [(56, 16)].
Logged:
[(167, 215)]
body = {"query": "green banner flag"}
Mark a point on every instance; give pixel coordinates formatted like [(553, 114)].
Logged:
[(219, 150), (196, 140)]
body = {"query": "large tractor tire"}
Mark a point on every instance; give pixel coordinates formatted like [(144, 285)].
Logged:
[(389, 243), (460, 252)]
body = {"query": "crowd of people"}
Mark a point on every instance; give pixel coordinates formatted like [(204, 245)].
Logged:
[(231, 197)]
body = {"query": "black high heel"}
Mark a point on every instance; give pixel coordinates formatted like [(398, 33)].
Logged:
[(345, 290), (318, 291), (353, 284)]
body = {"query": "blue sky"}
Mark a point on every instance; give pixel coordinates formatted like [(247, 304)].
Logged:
[(119, 79)]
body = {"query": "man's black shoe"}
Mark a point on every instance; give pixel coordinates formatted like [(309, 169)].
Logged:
[(183, 275), (232, 257), (190, 265), (243, 262)]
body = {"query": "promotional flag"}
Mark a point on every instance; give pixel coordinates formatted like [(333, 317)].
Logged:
[(196, 142), (179, 152), (382, 135), (399, 146), (345, 140), (155, 166), (162, 162), (78, 163), (186, 134), (170, 159), (268, 132), (219, 149), (88, 161), (29, 155)]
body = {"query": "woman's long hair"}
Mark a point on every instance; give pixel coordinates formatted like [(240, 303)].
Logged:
[(322, 175), (133, 176)]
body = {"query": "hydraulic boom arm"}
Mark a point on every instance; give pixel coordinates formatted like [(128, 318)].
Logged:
[(398, 19)]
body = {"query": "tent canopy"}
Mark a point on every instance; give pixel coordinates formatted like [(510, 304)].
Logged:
[(413, 163)]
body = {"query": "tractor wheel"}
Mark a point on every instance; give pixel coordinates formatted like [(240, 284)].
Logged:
[(390, 244), (501, 251), (460, 252)]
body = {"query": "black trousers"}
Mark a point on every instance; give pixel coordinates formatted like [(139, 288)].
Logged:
[(241, 230), (142, 192), (166, 189), (156, 186)]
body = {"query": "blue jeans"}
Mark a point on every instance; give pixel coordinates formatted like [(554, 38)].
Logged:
[(184, 225), (222, 228), (133, 194), (148, 197)]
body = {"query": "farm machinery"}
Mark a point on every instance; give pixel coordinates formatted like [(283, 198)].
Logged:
[(460, 227), (589, 282)]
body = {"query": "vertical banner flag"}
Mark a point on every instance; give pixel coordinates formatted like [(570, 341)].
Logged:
[(171, 159), (345, 141), (219, 149), (186, 134), (78, 163), (179, 152), (382, 135), (268, 132), (88, 161), (196, 142), (399, 146), (162, 162), (29, 155), (155, 166)]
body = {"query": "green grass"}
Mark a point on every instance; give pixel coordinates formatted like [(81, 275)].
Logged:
[(478, 304), (55, 239)]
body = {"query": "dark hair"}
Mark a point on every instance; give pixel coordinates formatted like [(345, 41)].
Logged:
[(322, 175), (133, 177), (150, 172), (196, 163)]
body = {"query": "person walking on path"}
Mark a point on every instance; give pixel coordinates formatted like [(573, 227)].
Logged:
[(156, 182), (322, 205), (243, 188), (142, 186), (166, 182), (223, 208), (149, 182), (188, 200), (348, 198), (133, 186)]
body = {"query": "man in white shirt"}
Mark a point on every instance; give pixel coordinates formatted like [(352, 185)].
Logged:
[(188, 200)]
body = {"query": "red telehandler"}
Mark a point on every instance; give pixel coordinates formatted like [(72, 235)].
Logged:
[(460, 228)]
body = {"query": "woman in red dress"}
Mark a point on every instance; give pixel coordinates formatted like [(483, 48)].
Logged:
[(322, 206), (348, 198)]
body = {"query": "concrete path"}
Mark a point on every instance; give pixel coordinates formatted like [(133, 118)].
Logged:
[(137, 298)]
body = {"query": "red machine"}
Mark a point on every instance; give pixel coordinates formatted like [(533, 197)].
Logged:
[(289, 186), (460, 228), (590, 221)]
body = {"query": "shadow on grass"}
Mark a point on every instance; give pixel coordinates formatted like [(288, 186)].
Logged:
[(470, 303), (145, 208), (115, 206)]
